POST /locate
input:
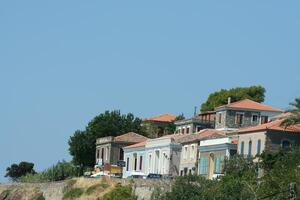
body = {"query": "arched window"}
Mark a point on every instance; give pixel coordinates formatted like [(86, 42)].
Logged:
[(258, 150), (250, 150), (242, 148), (285, 144)]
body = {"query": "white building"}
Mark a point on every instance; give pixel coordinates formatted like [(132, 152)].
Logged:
[(134, 156), (163, 155)]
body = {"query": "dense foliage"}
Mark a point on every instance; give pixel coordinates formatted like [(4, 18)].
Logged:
[(61, 171), (295, 117), (120, 193), (243, 180), (15, 171), (255, 93), (82, 144)]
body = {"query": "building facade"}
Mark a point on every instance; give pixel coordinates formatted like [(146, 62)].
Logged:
[(134, 156), (158, 126), (242, 114), (196, 123), (212, 154), (269, 137), (163, 155), (109, 150)]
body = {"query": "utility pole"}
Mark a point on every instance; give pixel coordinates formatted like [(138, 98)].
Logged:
[(292, 191)]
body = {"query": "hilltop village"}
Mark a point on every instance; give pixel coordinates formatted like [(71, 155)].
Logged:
[(199, 145)]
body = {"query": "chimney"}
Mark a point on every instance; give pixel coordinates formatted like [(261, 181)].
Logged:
[(229, 100)]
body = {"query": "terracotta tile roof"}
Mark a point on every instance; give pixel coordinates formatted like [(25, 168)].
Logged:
[(203, 134), (162, 118), (249, 104), (141, 144), (130, 137), (273, 125)]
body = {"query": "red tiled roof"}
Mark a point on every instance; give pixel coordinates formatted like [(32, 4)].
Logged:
[(130, 137), (273, 125), (249, 104), (203, 134), (162, 118), (141, 144)]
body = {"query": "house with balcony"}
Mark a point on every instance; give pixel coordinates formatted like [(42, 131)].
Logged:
[(195, 124), (244, 113), (109, 150)]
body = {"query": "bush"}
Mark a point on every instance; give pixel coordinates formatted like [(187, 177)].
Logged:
[(94, 188), (120, 193), (72, 193), (15, 171)]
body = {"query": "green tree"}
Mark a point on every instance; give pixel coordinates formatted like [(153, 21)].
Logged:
[(255, 93), (82, 144), (15, 171), (295, 117)]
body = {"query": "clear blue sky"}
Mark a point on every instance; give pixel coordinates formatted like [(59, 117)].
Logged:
[(63, 62)]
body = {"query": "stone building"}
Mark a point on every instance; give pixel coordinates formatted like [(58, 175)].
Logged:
[(109, 150), (160, 125), (196, 123), (242, 114), (269, 137)]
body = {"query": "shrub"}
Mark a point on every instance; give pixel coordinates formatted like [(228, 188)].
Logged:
[(61, 171), (120, 193), (99, 186), (72, 193)]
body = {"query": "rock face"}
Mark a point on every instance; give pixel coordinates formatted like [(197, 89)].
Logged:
[(32, 191), (55, 190)]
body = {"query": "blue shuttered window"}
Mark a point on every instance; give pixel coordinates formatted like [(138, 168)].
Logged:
[(258, 147), (203, 164), (242, 148)]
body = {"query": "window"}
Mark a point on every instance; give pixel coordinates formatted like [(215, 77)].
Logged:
[(107, 152), (182, 130), (217, 165), (141, 162), (135, 162), (98, 153), (285, 144), (250, 150), (102, 153), (185, 152), (258, 151), (127, 166), (181, 172), (242, 147), (254, 118), (121, 154), (220, 118), (192, 154), (239, 117), (203, 166), (263, 119), (188, 130), (222, 164)]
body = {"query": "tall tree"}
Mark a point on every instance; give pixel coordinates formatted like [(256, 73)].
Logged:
[(82, 144), (255, 93), (294, 118), (15, 171)]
